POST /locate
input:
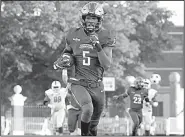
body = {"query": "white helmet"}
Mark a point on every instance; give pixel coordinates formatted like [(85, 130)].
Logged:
[(17, 89), (131, 80), (55, 85)]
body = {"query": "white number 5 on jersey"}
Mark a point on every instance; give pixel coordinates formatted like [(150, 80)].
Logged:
[(86, 60)]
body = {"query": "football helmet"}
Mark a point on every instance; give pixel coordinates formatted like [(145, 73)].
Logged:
[(139, 83), (93, 9), (65, 61), (55, 85)]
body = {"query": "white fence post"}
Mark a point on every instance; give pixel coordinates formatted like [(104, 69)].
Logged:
[(17, 101), (175, 123), (175, 87)]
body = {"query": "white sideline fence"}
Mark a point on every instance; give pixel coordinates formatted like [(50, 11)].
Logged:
[(35, 116), (107, 126)]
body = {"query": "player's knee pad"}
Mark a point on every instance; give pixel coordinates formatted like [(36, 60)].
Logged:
[(87, 111)]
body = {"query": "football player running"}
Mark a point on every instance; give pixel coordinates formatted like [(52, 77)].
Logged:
[(91, 47), (148, 104), (55, 99), (137, 94)]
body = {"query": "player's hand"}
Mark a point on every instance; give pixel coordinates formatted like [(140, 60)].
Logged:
[(62, 62), (58, 64), (147, 99), (147, 104), (50, 106), (95, 41)]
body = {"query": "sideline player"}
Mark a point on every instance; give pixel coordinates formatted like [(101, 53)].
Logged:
[(91, 47), (137, 94), (148, 106), (56, 97)]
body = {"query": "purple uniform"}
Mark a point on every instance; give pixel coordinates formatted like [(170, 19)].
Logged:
[(86, 58), (136, 104), (136, 98), (88, 67)]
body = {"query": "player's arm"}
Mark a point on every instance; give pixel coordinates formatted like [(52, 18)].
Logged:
[(67, 49), (46, 100), (105, 57), (154, 101), (124, 95), (104, 51)]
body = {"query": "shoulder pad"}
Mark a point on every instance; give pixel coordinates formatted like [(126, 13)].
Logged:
[(48, 92), (62, 90), (71, 32), (130, 89), (153, 90)]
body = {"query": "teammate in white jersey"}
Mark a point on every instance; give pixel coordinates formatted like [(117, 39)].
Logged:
[(148, 103), (56, 97)]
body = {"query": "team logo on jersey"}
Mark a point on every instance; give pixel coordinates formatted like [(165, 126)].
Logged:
[(88, 46), (76, 39)]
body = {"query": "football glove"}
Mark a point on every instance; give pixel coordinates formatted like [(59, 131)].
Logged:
[(63, 62), (95, 41), (147, 99)]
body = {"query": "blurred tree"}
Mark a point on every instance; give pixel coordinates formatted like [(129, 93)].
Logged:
[(32, 37)]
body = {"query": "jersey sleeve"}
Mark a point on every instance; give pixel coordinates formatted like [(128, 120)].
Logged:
[(47, 92), (68, 39), (154, 99), (129, 91), (47, 95)]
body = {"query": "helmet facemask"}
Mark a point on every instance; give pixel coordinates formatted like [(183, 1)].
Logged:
[(139, 83), (92, 15), (91, 23), (56, 86), (56, 89)]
